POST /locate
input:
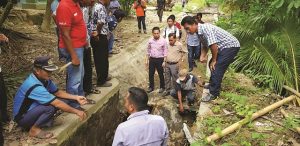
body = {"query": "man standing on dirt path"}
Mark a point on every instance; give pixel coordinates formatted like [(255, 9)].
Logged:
[(160, 9), (141, 128), (3, 96), (99, 42), (171, 28), (140, 6), (224, 48), (176, 53), (73, 34), (156, 54), (38, 99)]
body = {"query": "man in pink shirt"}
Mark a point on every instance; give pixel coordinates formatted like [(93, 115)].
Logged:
[(156, 54)]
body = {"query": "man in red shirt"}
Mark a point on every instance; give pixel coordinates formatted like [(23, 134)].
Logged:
[(72, 39)]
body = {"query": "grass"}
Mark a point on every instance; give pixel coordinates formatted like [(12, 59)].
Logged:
[(240, 95)]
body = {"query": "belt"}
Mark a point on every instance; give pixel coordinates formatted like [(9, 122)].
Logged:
[(172, 62)]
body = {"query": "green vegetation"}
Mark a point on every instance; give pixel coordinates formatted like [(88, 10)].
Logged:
[(270, 38)]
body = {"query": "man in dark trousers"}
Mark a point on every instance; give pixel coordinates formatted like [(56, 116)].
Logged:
[(99, 42), (224, 48), (156, 55), (160, 8)]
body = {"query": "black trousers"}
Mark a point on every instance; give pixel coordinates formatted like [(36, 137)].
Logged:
[(156, 64), (141, 21), (100, 51), (88, 71), (3, 100), (160, 12)]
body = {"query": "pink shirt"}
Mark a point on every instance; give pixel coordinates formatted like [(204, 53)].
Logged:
[(157, 48)]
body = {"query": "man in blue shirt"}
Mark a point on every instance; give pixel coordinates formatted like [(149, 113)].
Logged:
[(224, 48), (141, 128), (36, 100)]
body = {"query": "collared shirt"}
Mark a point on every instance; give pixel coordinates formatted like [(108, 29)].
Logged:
[(86, 18), (217, 35), (189, 84), (175, 52), (99, 15), (69, 14), (157, 48), (169, 30), (193, 39), (143, 129), (42, 94)]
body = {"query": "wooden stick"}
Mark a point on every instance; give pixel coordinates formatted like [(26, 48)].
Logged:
[(64, 67), (286, 115), (293, 91), (278, 123), (257, 114)]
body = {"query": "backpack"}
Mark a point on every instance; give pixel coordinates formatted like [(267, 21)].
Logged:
[(112, 22)]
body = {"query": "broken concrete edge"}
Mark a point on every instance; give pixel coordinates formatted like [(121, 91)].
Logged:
[(72, 122)]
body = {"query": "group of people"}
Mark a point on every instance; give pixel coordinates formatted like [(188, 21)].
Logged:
[(38, 98)]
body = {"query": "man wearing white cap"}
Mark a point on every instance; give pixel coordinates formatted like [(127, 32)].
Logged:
[(185, 87)]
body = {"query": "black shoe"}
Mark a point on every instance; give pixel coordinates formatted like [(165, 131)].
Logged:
[(140, 31), (190, 69), (145, 32), (150, 90), (161, 90), (166, 93)]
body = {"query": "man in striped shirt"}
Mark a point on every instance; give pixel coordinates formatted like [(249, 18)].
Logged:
[(224, 48)]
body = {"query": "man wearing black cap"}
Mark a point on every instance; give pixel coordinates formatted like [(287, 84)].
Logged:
[(37, 100)]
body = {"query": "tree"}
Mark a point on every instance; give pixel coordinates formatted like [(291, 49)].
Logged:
[(8, 7), (45, 27)]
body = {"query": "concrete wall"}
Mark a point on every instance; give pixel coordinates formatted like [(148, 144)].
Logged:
[(98, 129)]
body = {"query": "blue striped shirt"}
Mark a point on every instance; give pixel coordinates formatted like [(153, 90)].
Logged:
[(193, 39), (217, 35)]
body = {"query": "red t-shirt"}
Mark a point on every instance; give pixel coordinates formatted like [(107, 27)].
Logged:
[(178, 25), (69, 14)]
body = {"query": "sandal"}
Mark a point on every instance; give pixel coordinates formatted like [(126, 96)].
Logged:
[(95, 91), (90, 101), (44, 135)]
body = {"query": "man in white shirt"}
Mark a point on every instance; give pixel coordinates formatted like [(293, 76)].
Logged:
[(171, 28), (141, 128)]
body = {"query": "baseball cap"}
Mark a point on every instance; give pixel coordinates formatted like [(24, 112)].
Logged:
[(44, 63), (182, 74)]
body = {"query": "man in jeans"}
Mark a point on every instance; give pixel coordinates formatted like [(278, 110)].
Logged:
[(176, 53), (99, 42), (224, 48), (193, 45), (156, 53), (140, 6), (73, 34)]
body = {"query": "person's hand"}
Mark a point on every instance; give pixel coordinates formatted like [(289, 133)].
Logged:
[(81, 100), (203, 59), (163, 64), (146, 64), (75, 61), (81, 114), (181, 109), (212, 65), (3, 38)]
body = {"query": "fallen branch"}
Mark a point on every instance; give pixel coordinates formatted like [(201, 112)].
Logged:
[(293, 91), (257, 114), (286, 115)]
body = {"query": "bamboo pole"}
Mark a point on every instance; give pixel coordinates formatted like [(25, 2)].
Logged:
[(293, 91), (257, 114), (64, 67), (286, 115)]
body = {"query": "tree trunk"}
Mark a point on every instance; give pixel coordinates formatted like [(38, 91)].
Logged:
[(47, 17), (6, 11)]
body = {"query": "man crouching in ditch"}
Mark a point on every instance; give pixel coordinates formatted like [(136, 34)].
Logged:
[(37, 101)]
